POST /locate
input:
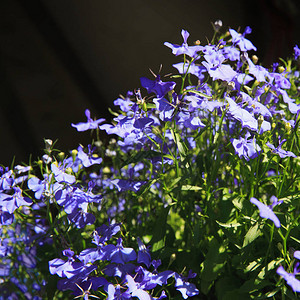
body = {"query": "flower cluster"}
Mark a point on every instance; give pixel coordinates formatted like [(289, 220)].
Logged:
[(163, 207)]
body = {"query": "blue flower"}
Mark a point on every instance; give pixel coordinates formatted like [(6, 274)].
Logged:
[(90, 124), (240, 40), (266, 211), (247, 120), (187, 289), (245, 147), (278, 150), (10, 203), (60, 175), (191, 51), (121, 255), (296, 52), (290, 278), (157, 86), (88, 159)]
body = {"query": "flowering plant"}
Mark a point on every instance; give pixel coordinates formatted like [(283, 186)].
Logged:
[(175, 203)]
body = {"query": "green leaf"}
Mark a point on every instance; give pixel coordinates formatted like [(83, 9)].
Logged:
[(252, 234), (213, 265), (182, 148), (159, 231), (229, 225), (188, 187), (199, 93), (139, 156)]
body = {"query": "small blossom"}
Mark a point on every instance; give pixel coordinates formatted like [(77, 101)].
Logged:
[(290, 278), (266, 211), (296, 52), (90, 124)]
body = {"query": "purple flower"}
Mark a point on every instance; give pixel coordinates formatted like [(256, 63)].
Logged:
[(116, 292), (266, 211), (296, 52), (246, 148), (242, 115), (90, 124), (290, 278), (231, 53), (186, 288), (240, 40), (125, 103), (259, 72), (143, 254), (80, 217), (222, 72), (165, 109), (9, 203), (157, 86), (136, 289), (70, 268), (88, 159), (121, 255), (184, 48), (282, 153), (60, 174), (128, 185)]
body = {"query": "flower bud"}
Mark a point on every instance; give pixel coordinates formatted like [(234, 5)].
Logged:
[(172, 258), (197, 43), (217, 25), (281, 69), (61, 155), (144, 106), (46, 159), (288, 127), (230, 86), (48, 144), (74, 153), (69, 170), (260, 120), (254, 59)]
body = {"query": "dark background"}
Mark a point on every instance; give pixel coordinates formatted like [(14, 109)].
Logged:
[(59, 57)]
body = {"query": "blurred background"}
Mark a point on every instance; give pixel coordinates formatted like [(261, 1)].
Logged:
[(58, 58)]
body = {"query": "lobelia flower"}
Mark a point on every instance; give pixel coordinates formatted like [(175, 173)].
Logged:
[(191, 51), (222, 72), (125, 103), (88, 159), (90, 124), (266, 211), (7, 180), (157, 86), (242, 115), (116, 292), (143, 254), (240, 40), (278, 150), (290, 278), (121, 255), (214, 64), (259, 72), (74, 271), (296, 52), (128, 185), (136, 289), (9, 203), (245, 147), (60, 175), (186, 288), (191, 68)]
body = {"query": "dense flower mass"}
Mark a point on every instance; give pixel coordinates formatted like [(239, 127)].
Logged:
[(172, 204)]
